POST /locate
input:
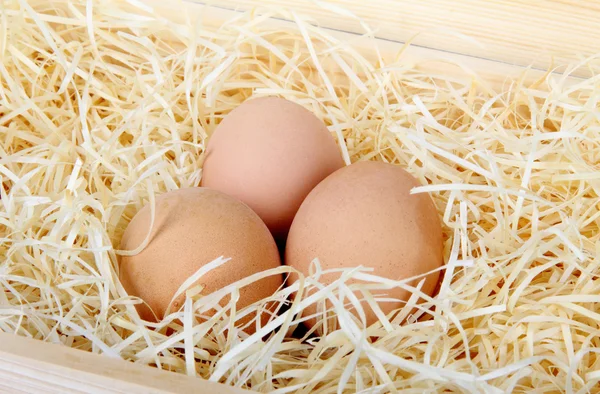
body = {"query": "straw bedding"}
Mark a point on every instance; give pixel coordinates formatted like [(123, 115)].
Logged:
[(104, 105)]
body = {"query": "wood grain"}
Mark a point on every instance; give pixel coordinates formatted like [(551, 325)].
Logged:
[(538, 33), (489, 72), (31, 366)]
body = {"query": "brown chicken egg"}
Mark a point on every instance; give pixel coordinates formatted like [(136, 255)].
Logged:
[(364, 214), (193, 227), (270, 153)]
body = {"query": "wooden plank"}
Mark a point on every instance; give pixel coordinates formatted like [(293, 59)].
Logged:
[(434, 61), (538, 33), (31, 366)]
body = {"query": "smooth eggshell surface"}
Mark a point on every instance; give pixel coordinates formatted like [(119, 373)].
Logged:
[(365, 215), (193, 227), (270, 153)]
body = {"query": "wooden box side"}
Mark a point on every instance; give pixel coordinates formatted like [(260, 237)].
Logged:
[(28, 365), (541, 34)]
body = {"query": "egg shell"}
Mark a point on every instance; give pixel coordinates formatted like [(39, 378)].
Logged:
[(193, 227), (270, 153), (364, 214)]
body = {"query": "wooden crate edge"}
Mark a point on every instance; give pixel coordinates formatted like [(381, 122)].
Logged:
[(29, 363)]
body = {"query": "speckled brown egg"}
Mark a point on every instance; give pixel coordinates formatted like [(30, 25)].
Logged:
[(364, 214), (269, 153), (193, 227)]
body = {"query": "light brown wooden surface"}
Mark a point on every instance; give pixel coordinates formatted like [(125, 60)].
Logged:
[(31, 366), (540, 33), (458, 65)]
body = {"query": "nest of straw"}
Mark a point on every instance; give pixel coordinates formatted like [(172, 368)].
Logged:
[(104, 105)]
